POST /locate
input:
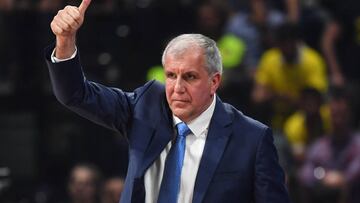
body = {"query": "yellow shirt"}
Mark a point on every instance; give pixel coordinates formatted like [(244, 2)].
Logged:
[(295, 127), (291, 79)]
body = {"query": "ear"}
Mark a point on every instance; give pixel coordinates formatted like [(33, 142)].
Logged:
[(215, 82)]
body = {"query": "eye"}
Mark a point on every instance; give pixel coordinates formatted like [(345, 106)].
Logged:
[(190, 76), (170, 75)]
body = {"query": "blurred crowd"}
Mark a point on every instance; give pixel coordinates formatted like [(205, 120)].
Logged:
[(292, 64)]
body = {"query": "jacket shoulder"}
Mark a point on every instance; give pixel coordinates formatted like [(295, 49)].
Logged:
[(239, 116), (243, 123), (149, 101)]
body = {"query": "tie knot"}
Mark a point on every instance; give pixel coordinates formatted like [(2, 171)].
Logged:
[(183, 129)]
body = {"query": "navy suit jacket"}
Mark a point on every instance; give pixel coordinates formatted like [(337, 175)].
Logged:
[(239, 162)]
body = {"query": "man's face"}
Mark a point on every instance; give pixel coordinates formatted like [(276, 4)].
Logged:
[(288, 49), (339, 113), (189, 87), (82, 184)]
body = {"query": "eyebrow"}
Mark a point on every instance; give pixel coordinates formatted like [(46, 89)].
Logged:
[(187, 72)]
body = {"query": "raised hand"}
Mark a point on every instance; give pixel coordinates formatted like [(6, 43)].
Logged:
[(65, 26)]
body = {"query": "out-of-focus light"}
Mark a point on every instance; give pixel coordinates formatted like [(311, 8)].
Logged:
[(319, 172), (4, 171), (122, 31), (156, 73), (232, 50), (4, 184), (112, 74), (104, 58)]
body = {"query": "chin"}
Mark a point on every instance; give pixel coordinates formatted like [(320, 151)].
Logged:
[(180, 114)]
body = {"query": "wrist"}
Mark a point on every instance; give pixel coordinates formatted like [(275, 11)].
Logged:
[(65, 47)]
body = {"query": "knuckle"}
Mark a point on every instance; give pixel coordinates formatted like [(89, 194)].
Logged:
[(54, 22), (77, 16), (68, 27), (73, 24), (77, 11), (70, 8), (59, 31)]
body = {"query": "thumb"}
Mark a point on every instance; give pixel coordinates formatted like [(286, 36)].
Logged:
[(83, 6)]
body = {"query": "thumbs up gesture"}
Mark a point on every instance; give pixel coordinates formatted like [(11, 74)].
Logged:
[(65, 25)]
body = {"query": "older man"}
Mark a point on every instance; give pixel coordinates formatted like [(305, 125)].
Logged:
[(185, 145)]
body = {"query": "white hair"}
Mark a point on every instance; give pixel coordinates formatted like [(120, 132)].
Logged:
[(183, 42)]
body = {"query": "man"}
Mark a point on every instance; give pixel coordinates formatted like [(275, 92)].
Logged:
[(284, 71), (84, 184), (218, 155), (112, 189), (308, 123), (255, 27), (331, 170)]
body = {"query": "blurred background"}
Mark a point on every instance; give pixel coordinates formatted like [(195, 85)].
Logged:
[(292, 64)]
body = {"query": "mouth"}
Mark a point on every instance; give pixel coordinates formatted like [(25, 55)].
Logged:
[(179, 102)]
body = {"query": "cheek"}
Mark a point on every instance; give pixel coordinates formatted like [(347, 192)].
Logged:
[(200, 94), (169, 89)]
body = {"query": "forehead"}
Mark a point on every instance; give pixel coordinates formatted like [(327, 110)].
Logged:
[(81, 171), (190, 58)]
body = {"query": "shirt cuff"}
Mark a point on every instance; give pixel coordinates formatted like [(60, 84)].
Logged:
[(56, 60)]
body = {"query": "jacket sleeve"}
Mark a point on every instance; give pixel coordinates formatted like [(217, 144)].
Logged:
[(109, 107), (269, 177)]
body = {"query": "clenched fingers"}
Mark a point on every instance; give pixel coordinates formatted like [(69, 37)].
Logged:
[(67, 21)]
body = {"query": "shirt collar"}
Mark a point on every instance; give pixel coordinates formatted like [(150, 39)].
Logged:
[(200, 123)]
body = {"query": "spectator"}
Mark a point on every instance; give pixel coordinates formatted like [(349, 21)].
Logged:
[(308, 123), (211, 18), (310, 16), (332, 164), (84, 184), (341, 45), (6, 5), (47, 6), (284, 71), (112, 189), (254, 28), (341, 40)]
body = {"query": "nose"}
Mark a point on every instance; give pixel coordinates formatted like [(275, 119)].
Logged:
[(179, 85)]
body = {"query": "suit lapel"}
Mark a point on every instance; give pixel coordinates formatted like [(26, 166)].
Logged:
[(161, 137), (216, 141)]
